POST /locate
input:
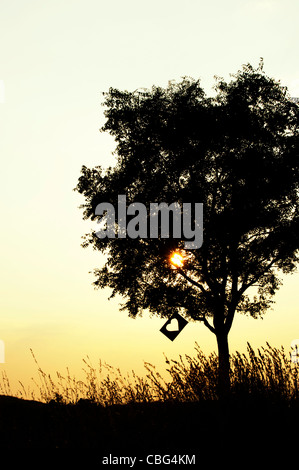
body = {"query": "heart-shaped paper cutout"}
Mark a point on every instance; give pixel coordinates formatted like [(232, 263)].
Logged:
[(173, 325)]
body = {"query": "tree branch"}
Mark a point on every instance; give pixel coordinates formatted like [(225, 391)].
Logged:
[(203, 318), (244, 286), (207, 324), (193, 282)]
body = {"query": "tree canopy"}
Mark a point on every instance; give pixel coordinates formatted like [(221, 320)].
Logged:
[(237, 154)]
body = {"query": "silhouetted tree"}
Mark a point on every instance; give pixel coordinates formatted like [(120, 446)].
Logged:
[(236, 153)]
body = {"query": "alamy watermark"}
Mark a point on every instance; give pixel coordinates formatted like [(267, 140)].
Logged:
[(175, 221), (295, 351)]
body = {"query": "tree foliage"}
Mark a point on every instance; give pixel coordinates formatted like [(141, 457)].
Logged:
[(235, 152)]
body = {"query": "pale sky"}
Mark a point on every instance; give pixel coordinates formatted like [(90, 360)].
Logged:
[(56, 59)]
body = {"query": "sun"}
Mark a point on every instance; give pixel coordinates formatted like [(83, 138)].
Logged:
[(177, 260)]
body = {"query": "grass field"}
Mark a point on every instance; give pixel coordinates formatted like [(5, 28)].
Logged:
[(130, 414)]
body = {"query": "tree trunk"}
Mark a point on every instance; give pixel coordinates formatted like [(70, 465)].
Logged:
[(223, 364)]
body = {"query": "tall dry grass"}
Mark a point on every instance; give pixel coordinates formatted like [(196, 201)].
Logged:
[(267, 373)]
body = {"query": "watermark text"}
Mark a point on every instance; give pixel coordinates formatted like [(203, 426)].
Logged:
[(166, 220)]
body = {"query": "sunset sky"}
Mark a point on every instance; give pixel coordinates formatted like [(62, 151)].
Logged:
[(56, 59)]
